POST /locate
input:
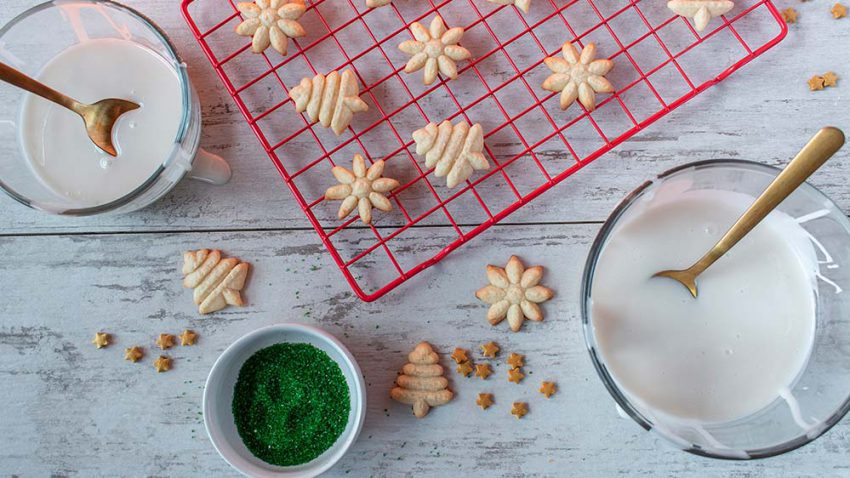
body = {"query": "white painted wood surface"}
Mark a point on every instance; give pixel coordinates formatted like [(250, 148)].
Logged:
[(72, 410)]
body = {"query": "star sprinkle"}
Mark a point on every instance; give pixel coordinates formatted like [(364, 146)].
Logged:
[(162, 364), (134, 353), (490, 349), (101, 340), (460, 355), (484, 400), (578, 76), (516, 360), (515, 375), (790, 15), (830, 78), (702, 11), (520, 409), (188, 337), (514, 293), (816, 83), (464, 369), (523, 5), (838, 11), (165, 341), (271, 23), (361, 188), (435, 49), (548, 388), (483, 370)]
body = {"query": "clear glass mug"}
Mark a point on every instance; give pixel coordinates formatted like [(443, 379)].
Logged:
[(820, 396), (36, 36)]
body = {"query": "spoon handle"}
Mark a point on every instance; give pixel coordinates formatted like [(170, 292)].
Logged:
[(23, 81), (822, 145)]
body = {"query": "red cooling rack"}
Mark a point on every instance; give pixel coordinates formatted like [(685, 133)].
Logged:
[(660, 63)]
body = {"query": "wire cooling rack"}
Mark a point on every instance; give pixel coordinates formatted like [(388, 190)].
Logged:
[(660, 63)]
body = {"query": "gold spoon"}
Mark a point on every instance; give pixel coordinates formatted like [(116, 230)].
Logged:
[(820, 148), (99, 117)]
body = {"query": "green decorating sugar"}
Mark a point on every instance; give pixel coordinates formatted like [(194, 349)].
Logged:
[(290, 403)]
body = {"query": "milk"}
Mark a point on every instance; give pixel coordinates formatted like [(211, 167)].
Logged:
[(732, 351), (54, 139)]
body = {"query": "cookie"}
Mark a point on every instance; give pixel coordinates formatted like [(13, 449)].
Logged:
[(454, 151), (435, 49), (271, 23), (421, 383), (217, 282), (361, 188), (330, 99), (514, 292)]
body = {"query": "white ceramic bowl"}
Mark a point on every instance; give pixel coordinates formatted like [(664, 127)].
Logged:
[(218, 398)]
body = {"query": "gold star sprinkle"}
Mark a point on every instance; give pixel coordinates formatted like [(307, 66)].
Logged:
[(464, 369), (484, 400), (789, 15), (188, 337), (548, 388), (162, 364), (165, 341), (460, 355), (515, 375), (815, 83), (838, 11), (490, 349), (101, 340), (519, 409), (830, 78), (134, 353), (483, 370), (516, 360)]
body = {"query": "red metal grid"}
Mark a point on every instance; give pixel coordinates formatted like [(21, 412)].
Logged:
[(752, 28)]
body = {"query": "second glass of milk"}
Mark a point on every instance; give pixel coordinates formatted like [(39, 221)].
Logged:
[(759, 363), (92, 50)]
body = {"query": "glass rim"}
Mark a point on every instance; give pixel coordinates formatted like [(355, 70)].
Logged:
[(185, 90), (599, 365)]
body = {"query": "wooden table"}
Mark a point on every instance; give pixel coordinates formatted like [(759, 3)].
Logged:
[(69, 409)]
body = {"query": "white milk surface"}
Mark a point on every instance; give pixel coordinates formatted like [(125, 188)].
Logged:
[(54, 139), (734, 349)]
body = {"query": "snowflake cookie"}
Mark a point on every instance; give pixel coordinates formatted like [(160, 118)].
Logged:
[(271, 22), (514, 293), (361, 188), (578, 76), (454, 151), (702, 11), (377, 3), (523, 5), (331, 100), (435, 49)]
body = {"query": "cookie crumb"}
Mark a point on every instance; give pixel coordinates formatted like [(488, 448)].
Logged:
[(548, 388), (519, 409), (816, 83), (484, 400), (101, 340), (162, 364), (134, 353), (789, 15), (165, 341)]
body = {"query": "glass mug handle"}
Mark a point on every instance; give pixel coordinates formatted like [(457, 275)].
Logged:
[(209, 168)]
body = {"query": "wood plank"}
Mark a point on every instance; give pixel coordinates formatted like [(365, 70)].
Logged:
[(70, 409), (763, 113)]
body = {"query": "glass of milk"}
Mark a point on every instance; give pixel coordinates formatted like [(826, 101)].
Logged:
[(92, 50), (759, 363)]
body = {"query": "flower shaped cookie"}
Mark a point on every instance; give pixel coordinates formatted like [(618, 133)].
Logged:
[(514, 293), (578, 76), (271, 22), (361, 188), (435, 49)]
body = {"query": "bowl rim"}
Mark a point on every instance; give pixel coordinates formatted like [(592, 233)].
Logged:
[(613, 389), (358, 394)]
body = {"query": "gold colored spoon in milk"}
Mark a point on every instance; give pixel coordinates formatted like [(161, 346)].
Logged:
[(99, 117), (820, 148)]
